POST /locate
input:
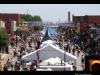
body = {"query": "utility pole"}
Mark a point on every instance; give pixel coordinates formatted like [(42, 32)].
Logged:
[(59, 19), (27, 11)]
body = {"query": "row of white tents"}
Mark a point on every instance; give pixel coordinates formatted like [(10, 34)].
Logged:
[(50, 52)]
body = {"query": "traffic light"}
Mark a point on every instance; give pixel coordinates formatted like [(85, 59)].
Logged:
[(94, 65)]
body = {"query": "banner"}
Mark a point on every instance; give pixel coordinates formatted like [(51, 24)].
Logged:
[(85, 27), (9, 27), (51, 23), (78, 27)]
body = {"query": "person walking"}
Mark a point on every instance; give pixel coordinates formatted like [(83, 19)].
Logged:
[(12, 64), (82, 59), (0, 66), (73, 51)]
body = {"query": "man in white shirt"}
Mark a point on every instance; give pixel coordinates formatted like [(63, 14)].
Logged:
[(14, 51), (65, 45), (18, 55), (12, 63), (28, 49), (82, 59)]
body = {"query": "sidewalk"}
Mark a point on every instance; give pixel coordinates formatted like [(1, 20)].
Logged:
[(5, 56)]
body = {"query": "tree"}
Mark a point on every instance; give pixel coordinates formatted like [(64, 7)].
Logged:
[(4, 38), (58, 28), (28, 17), (36, 28), (37, 18)]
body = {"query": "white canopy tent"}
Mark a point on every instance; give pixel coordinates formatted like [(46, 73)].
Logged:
[(55, 60), (66, 67), (48, 69), (49, 51), (48, 42), (52, 61)]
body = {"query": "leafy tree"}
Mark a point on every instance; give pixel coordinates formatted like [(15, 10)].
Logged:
[(28, 17), (4, 38), (58, 28), (37, 18), (36, 28)]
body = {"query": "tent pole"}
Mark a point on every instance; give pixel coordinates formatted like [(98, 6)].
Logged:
[(64, 61), (37, 59), (75, 62)]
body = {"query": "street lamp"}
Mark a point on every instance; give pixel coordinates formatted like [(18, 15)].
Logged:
[(16, 36)]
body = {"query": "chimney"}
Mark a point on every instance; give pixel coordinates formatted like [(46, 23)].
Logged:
[(73, 17), (68, 16)]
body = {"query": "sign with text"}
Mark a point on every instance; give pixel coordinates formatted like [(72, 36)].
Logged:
[(85, 27), (78, 27), (9, 27)]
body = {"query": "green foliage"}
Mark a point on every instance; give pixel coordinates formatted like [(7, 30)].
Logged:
[(36, 28), (4, 38), (28, 17), (58, 28)]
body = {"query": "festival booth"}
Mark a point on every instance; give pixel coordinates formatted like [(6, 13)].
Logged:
[(48, 69), (47, 42), (65, 67), (49, 50), (46, 36), (56, 64)]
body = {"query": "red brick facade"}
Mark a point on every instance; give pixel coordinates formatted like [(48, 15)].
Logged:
[(10, 16), (93, 18)]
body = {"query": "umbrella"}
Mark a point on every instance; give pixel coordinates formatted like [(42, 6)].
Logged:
[(13, 37)]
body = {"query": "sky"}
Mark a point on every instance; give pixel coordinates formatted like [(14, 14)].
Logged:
[(52, 12)]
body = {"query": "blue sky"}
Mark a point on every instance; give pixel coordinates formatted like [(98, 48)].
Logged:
[(52, 12)]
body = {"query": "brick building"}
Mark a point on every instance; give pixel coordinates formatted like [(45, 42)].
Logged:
[(79, 18), (93, 18), (89, 18), (10, 16)]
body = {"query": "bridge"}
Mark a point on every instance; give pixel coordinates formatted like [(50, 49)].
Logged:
[(49, 23)]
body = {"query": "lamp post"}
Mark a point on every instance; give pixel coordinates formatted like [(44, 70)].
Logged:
[(16, 37), (91, 43)]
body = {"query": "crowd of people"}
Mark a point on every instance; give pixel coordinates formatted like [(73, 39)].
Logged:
[(29, 43)]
